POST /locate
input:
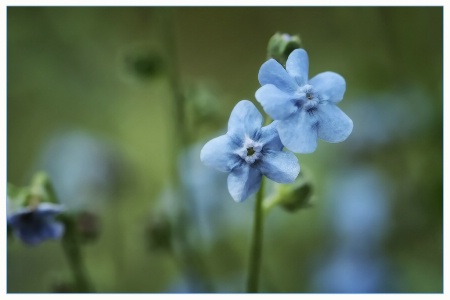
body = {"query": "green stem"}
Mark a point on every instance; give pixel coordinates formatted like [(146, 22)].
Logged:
[(118, 251), (181, 138), (70, 244), (192, 264), (70, 240), (271, 202), (257, 241)]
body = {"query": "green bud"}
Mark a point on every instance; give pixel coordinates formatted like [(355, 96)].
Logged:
[(142, 61), (281, 45), (299, 197), (88, 226), (40, 190), (203, 104), (292, 197), (159, 233)]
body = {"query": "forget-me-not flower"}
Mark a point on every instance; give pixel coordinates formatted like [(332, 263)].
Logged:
[(36, 224), (306, 109), (248, 151)]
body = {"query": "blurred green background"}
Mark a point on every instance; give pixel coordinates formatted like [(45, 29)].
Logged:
[(103, 74)]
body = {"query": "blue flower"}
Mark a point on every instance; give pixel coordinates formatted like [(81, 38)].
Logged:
[(248, 151), (34, 225), (306, 109), (85, 169)]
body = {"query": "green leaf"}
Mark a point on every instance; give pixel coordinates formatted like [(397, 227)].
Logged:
[(42, 189), (17, 196)]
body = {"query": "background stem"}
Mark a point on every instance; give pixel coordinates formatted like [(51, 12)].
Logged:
[(192, 264), (70, 244)]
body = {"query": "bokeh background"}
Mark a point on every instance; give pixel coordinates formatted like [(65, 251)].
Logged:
[(99, 98)]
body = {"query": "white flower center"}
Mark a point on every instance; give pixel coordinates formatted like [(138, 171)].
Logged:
[(307, 97), (250, 151)]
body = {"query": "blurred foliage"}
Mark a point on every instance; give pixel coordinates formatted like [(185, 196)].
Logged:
[(102, 70)]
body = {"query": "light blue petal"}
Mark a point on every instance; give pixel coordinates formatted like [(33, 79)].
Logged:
[(276, 103), (279, 166), (297, 66), (14, 219), (329, 85), (29, 231), (245, 119), (270, 138), (48, 209), (299, 132), (271, 72), (219, 154), (52, 230), (243, 182), (28, 237), (334, 126)]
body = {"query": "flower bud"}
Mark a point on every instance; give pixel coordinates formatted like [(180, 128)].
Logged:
[(203, 104), (88, 225), (281, 45), (142, 61), (41, 190), (299, 197), (292, 197), (158, 233)]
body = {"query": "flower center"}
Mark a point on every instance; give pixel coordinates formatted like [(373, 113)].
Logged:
[(27, 217), (308, 92), (307, 98), (250, 151)]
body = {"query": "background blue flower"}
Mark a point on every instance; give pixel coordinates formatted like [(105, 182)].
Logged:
[(396, 108), (34, 225), (306, 110), (357, 214), (86, 170), (248, 151)]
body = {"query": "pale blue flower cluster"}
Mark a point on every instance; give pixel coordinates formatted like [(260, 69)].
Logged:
[(304, 110), (34, 225)]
